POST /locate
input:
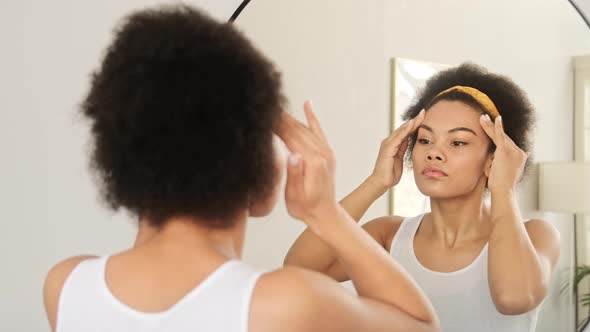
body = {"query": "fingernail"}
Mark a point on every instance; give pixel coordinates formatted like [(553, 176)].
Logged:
[(486, 117), (499, 118), (294, 159)]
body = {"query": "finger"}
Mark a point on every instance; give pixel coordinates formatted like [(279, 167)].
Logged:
[(411, 125), (507, 140), (404, 126), (402, 149), (290, 138), (402, 134), (402, 131), (418, 120), (499, 131), (488, 127), (295, 135), (294, 185), (287, 125), (312, 120)]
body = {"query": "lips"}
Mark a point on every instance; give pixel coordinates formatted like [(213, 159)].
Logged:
[(433, 172)]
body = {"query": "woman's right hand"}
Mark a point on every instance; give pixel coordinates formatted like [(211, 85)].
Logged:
[(390, 161), (310, 189)]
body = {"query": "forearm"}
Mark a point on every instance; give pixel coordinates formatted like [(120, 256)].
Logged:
[(311, 252), (515, 270), (358, 202), (374, 273)]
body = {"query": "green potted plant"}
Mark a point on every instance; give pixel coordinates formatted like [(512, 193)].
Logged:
[(580, 273)]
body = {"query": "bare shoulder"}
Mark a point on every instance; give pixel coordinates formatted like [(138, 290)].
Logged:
[(54, 282), (296, 299), (383, 229), (283, 299)]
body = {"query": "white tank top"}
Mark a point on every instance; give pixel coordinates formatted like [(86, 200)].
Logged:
[(461, 298), (220, 303)]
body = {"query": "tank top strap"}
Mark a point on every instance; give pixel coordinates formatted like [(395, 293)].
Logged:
[(404, 237)]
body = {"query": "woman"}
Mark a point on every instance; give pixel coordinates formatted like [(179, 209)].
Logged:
[(183, 111), (483, 267)]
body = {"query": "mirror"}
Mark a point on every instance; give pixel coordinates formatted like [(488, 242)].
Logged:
[(339, 54)]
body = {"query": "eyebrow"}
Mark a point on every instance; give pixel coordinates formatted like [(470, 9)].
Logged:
[(450, 131)]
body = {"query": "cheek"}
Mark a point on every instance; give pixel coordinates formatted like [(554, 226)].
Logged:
[(470, 161), (471, 169), (417, 152)]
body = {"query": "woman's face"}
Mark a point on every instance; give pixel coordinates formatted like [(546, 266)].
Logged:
[(451, 157)]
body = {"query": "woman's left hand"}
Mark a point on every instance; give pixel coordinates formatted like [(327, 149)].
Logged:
[(508, 160)]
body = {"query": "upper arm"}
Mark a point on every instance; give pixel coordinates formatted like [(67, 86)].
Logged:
[(546, 240), (54, 283), (381, 229), (294, 299), (514, 295)]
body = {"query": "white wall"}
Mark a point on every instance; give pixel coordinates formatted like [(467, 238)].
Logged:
[(335, 52)]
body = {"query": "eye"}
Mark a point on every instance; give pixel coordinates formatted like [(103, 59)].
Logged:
[(423, 141), (458, 143)]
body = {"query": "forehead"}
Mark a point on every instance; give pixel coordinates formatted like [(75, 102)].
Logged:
[(446, 115)]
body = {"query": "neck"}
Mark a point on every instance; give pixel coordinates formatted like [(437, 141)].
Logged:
[(457, 219), (189, 236)]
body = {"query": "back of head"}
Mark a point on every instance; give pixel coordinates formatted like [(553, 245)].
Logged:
[(182, 110)]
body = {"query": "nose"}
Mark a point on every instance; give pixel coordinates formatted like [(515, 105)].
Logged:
[(435, 154)]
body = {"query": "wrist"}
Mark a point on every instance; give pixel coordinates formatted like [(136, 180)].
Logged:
[(502, 191), (376, 185), (326, 220)]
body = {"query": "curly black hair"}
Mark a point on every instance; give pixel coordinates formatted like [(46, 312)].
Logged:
[(518, 115), (182, 111)]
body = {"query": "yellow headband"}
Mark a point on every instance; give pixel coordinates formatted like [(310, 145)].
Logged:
[(482, 99)]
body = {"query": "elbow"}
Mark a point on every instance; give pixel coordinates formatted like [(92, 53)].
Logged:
[(515, 304), (434, 325), (429, 324)]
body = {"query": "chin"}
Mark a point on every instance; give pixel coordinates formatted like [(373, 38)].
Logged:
[(445, 191), (438, 190)]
